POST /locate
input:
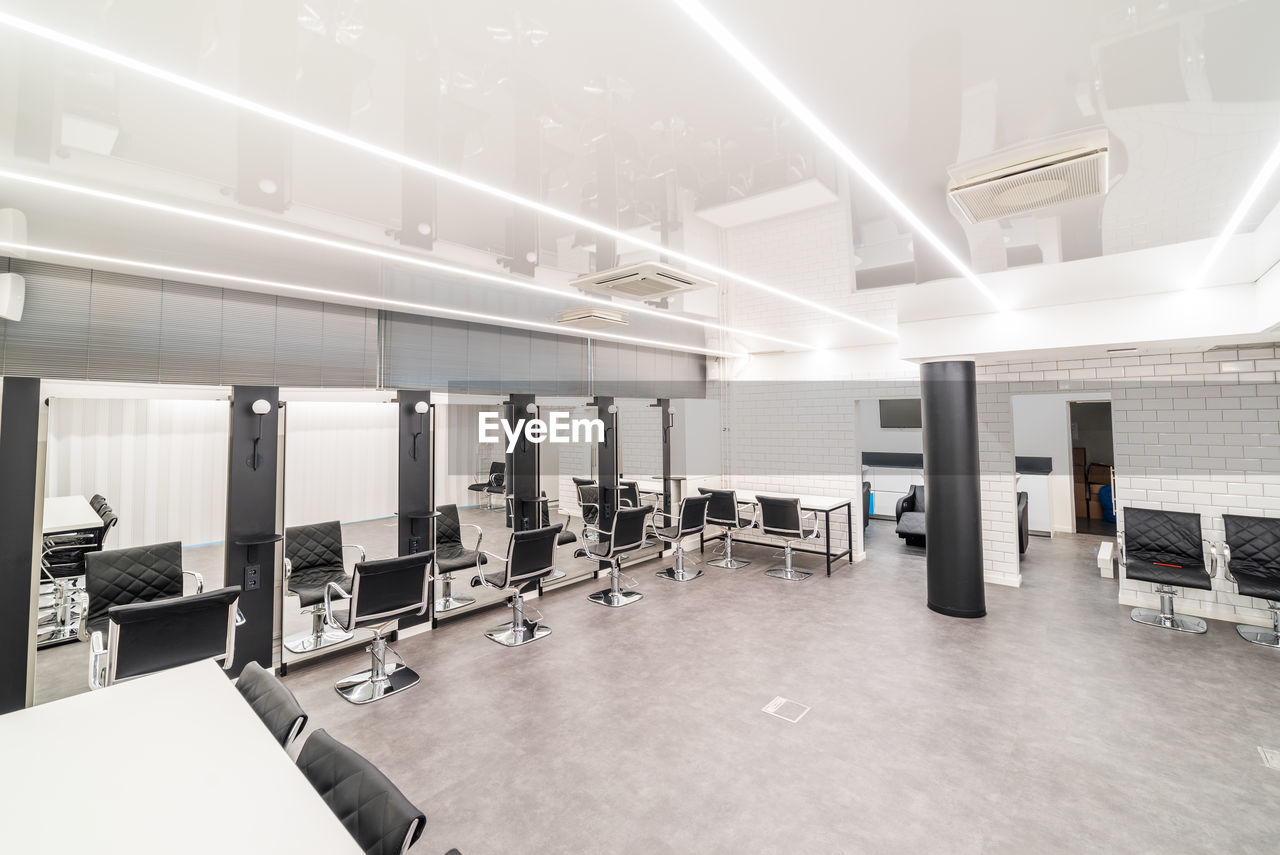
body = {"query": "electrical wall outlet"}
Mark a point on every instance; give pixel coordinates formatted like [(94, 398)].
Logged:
[(252, 577), (415, 544)]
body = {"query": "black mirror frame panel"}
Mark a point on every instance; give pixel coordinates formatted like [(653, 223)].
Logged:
[(19, 457)]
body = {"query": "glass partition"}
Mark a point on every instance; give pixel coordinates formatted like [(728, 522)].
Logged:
[(339, 507), (124, 466)]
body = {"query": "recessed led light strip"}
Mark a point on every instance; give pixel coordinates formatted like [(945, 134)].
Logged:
[(1237, 217), (349, 297), (757, 69), (361, 249), (241, 103)]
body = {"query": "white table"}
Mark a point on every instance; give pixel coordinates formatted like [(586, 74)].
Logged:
[(181, 764), (69, 513)]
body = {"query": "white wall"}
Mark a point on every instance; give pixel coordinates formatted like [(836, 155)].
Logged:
[(461, 459), (1042, 428), (339, 461), (161, 464)]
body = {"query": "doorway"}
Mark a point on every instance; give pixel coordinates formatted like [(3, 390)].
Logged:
[(1093, 467)]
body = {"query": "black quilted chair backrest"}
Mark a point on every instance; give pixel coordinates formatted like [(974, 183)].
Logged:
[(628, 527), (387, 587), (174, 632), (377, 815), (1254, 543), (273, 703), (314, 545), (917, 497), (693, 514), (532, 553), (498, 473), (448, 526), (629, 492), (138, 574), (1155, 535), (780, 516), (97, 501), (583, 482), (723, 507), (589, 500)]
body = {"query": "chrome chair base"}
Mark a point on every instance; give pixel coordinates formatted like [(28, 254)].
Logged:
[(305, 642), (1259, 635), (676, 574), (615, 599), (363, 688), (727, 563), (789, 573), (554, 576), (449, 603), (511, 635), (1178, 623)]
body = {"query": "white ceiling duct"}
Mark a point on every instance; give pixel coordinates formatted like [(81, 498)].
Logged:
[(591, 318), (1031, 176), (647, 280)]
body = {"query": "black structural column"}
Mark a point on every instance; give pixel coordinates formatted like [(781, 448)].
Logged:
[(523, 467), (953, 495), (417, 500), (19, 446), (251, 518), (607, 462)]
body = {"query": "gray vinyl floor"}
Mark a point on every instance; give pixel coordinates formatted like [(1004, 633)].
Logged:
[(1055, 724)]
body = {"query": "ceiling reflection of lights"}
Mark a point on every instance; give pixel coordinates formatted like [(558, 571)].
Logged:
[(249, 106), (1247, 201), (348, 297), (342, 20), (374, 252), (757, 69)]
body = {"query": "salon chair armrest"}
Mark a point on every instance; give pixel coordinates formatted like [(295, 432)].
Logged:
[(1225, 571), (484, 583), (363, 556), (99, 661), (479, 533), (330, 589), (199, 580)]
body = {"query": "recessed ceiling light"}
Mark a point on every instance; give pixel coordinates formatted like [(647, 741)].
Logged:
[(757, 69), (531, 257), (374, 252), (348, 297), (239, 102), (424, 229), (267, 186)]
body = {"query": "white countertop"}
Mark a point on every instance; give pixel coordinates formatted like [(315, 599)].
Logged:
[(808, 503), (172, 762), (69, 513)]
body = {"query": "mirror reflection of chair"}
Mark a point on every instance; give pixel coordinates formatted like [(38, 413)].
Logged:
[(494, 485), (1251, 561), (689, 520), (136, 574), (1166, 549), (910, 512), (783, 517), (372, 809), (62, 563), (312, 562), (724, 511), (273, 703), (145, 637), (866, 504), (453, 555), (589, 501), (1024, 525), (531, 556), (382, 591), (625, 535)]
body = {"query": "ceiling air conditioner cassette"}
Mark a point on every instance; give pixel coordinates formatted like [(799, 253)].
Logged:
[(1032, 176), (647, 280), (593, 318)]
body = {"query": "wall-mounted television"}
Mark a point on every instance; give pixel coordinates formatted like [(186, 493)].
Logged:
[(900, 413)]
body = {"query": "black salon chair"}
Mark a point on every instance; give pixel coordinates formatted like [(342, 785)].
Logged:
[(531, 556), (910, 514), (382, 591), (452, 555), (145, 637), (495, 485), (866, 504), (137, 574), (1024, 524), (628, 494), (589, 501), (374, 811), (627, 534), (725, 511), (782, 517), (273, 703), (312, 562), (689, 520), (1166, 549), (1251, 560)]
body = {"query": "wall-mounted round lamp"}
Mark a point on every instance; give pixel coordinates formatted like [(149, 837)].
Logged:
[(613, 409), (531, 408), (531, 257), (259, 408), (421, 408)]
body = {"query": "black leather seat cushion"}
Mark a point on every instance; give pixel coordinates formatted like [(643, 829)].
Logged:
[(670, 532), (309, 584), (566, 537), (271, 699), (1255, 554), (372, 809), (454, 556), (1164, 547), (911, 524)]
